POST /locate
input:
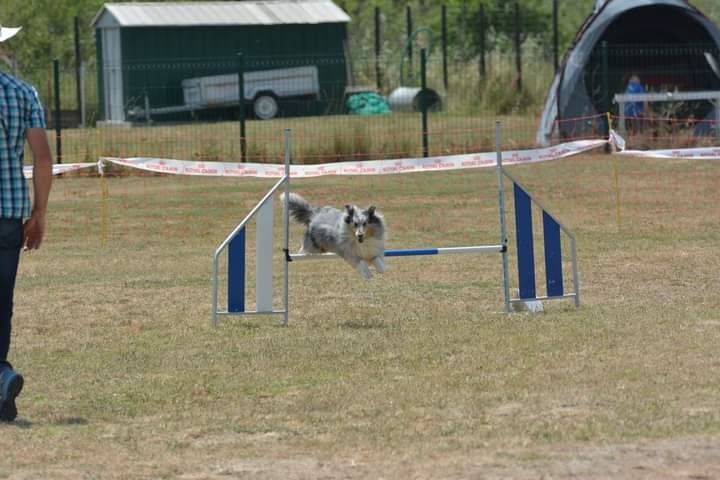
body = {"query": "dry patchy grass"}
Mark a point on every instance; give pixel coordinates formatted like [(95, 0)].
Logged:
[(415, 374)]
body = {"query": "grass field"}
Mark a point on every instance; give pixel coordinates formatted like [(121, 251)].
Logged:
[(415, 374)]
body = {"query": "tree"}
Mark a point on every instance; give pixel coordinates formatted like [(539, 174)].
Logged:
[(48, 30)]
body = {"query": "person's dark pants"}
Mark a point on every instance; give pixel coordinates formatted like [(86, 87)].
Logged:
[(11, 239)]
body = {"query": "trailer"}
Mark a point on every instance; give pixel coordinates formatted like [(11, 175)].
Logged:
[(262, 90)]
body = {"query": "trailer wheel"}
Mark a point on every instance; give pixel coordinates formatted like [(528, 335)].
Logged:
[(265, 106)]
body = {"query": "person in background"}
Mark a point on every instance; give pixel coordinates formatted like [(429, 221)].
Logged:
[(22, 223), (634, 111)]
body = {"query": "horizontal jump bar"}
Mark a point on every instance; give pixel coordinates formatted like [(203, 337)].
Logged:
[(411, 252)]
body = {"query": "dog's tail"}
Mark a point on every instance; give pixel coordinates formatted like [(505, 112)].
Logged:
[(300, 209)]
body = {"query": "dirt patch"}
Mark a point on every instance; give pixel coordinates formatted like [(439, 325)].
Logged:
[(689, 458), (696, 458)]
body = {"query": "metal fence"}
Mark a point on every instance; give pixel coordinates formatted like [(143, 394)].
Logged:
[(191, 109)]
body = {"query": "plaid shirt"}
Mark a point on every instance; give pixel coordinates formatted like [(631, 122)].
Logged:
[(20, 109)]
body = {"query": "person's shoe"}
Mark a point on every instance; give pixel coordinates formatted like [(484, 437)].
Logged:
[(11, 384)]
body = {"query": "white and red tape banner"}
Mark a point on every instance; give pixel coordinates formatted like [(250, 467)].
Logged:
[(59, 168), (702, 153), (369, 167), (382, 167)]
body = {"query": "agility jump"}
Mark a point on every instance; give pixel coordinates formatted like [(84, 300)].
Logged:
[(262, 213)]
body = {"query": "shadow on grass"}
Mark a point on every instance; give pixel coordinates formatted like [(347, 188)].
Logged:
[(19, 423), (70, 421), (363, 324), (25, 424), (242, 325)]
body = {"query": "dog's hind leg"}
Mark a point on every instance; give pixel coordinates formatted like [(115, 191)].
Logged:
[(308, 245), (379, 264)]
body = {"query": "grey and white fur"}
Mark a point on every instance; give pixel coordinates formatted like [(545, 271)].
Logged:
[(357, 235)]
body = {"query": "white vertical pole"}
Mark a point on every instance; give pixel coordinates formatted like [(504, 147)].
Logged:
[(501, 207), (576, 279), (264, 257), (213, 318), (286, 228)]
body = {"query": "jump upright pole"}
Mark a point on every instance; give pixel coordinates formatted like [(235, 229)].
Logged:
[(501, 210), (286, 228)]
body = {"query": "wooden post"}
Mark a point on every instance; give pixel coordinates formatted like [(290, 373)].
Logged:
[(444, 46), (482, 41), (56, 116), (606, 89), (408, 36), (556, 51), (378, 43), (79, 75), (518, 53), (423, 102)]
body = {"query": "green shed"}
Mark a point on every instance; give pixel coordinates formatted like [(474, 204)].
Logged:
[(177, 59)]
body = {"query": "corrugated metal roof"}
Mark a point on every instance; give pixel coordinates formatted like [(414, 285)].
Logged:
[(171, 14)]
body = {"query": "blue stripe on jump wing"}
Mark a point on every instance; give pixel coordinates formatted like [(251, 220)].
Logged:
[(553, 256), (236, 273), (411, 252), (524, 239)]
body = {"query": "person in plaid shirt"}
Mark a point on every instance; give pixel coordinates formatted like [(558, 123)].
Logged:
[(22, 223)]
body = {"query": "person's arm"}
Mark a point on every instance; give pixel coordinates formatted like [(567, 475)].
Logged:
[(42, 180)]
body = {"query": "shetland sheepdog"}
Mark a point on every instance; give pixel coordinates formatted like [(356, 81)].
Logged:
[(357, 235)]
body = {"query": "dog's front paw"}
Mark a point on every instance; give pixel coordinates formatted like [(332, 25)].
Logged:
[(364, 270), (379, 264)]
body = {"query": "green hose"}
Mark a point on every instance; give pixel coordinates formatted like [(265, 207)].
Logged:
[(406, 53)]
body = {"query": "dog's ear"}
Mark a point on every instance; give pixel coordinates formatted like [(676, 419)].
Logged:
[(373, 216), (350, 212)]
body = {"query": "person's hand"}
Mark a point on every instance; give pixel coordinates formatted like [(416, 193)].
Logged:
[(34, 230)]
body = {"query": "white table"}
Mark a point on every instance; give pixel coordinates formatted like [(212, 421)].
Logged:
[(712, 96)]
